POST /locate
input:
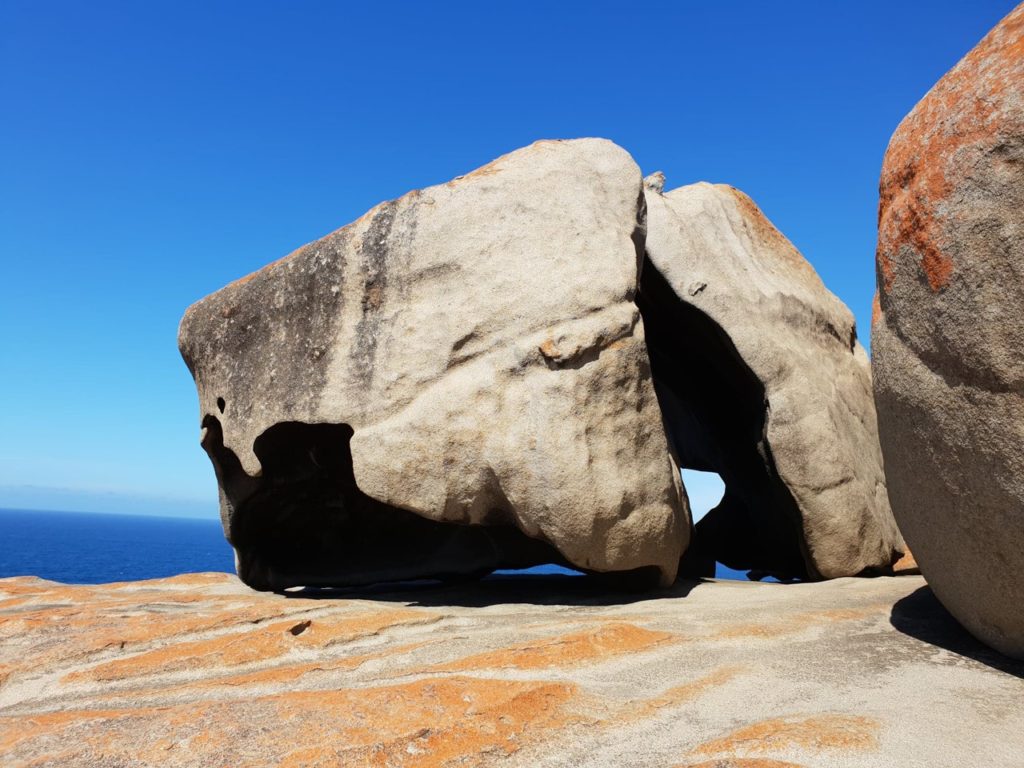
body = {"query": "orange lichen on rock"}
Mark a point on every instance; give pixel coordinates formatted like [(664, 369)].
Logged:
[(906, 565), (256, 643), (290, 672), (787, 625), (814, 733), (58, 624), (62, 632), (484, 170), (762, 231), (424, 723), (742, 762), (958, 118), (590, 645), (679, 694), (170, 583)]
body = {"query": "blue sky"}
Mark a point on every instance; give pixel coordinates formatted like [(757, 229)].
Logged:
[(151, 152)]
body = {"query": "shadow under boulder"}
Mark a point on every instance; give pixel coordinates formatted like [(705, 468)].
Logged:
[(304, 521)]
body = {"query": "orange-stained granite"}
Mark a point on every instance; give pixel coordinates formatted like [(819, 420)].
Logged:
[(201, 671), (780, 626), (850, 733), (680, 694), (924, 158), (287, 673), (763, 232), (591, 644), (742, 762), (422, 723), (906, 565), (256, 643)]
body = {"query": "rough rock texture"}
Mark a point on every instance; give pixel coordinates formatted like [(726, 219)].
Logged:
[(455, 382), (763, 381), (199, 670), (948, 341)]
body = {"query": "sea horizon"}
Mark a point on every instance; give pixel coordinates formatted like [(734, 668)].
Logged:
[(86, 547)]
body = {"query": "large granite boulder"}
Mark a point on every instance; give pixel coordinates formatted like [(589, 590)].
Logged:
[(948, 341), (456, 382), (762, 380)]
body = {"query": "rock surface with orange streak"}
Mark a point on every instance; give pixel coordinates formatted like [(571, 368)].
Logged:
[(545, 671), (782, 408), (947, 336)]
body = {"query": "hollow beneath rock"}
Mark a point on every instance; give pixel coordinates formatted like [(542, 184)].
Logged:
[(305, 522), (715, 414)]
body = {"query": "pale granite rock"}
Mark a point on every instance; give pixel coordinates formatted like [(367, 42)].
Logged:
[(198, 670), (762, 380), (456, 382), (948, 341)]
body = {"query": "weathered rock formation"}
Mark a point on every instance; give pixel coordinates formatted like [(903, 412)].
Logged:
[(454, 383), (763, 381), (198, 670), (459, 382), (948, 341)]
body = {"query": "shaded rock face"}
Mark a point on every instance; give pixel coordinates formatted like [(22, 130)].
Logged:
[(947, 337), (762, 380), (456, 382)]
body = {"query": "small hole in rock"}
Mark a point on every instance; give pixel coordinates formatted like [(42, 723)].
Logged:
[(221, 404), (704, 489), (301, 627)]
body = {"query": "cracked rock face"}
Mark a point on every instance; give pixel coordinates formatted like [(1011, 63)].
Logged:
[(762, 380), (948, 339), (456, 382), (508, 370)]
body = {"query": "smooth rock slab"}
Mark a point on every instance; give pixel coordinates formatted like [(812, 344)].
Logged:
[(948, 341), (763, 380), (456, 382), (199, 670)]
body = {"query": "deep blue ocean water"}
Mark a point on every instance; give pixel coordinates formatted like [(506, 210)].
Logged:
[(89, 548)]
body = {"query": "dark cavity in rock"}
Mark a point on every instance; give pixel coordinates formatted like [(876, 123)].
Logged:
[(715, 414), (305, 522)]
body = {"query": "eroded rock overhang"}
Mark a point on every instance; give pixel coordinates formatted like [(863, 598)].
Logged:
[(456, 382), (509, 369)]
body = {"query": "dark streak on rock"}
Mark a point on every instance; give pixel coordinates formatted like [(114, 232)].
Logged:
[(374, 256), (233, 339)]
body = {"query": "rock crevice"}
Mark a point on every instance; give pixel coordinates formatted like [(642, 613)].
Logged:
[(510, 369)]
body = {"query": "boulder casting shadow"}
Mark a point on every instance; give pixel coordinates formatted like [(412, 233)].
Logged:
[(595, 589), (510, 369), (922, 616)]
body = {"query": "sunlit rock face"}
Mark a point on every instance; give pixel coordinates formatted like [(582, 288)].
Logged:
[(509, 369), (948, 340), (762, 380), (198, 670), (456, 382)]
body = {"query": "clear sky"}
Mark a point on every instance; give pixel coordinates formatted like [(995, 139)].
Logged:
[(150, 152)]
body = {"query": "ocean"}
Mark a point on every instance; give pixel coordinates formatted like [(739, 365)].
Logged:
[(90, 548)]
